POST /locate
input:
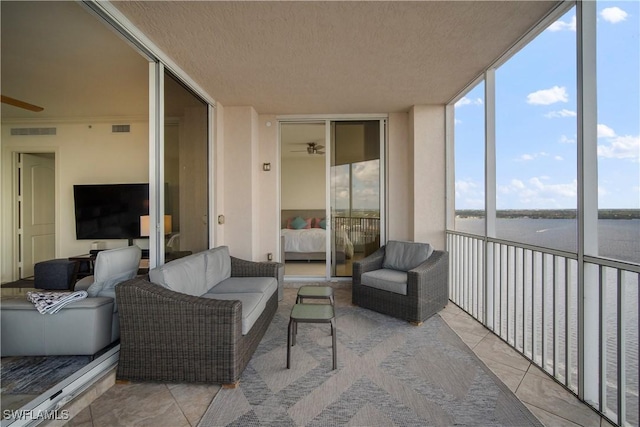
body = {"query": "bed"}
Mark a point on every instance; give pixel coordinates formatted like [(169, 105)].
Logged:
[(308, 244)]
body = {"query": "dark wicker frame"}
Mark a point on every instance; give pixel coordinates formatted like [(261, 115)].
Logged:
[(167, 336), (427, 288)]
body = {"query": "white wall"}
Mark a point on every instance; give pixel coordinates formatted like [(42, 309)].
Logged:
[(303, 182), (86, 153), (427, 132), (269, 228), (415, 179), (240, 195), (399, 179)]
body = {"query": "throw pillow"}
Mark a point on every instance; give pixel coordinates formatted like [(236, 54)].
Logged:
[(298, 223), (323, 224)]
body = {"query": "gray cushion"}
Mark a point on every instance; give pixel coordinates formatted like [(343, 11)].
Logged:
[(387, 280), (253, 304), (185, 275), (405, 256), (267, 285), (218, 265)]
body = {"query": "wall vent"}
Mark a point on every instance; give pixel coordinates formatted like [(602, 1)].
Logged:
[(33, 131), (120, 128)]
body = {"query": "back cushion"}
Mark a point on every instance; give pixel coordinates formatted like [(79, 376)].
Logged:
[(185, 275), (405, 256), (218, 265)]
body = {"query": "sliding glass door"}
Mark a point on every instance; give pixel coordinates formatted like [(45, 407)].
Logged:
[(331, 195), (186, 193), (356, 196)]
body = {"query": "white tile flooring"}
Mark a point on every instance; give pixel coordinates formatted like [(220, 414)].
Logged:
[(184, 405)]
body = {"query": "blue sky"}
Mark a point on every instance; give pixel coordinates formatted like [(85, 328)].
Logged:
[(536, 119)]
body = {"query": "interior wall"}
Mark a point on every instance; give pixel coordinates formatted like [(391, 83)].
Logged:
[(303, 182), (240, 198), (86, 153), (269, 230), (427, 133), (399, 179), (219, 173)]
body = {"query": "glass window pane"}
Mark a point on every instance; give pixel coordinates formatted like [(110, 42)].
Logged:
[(618, 91), (355, 192), (186, 172), (469, 134), (536, 112)]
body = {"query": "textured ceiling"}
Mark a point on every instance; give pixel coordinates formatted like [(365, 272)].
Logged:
[(333, 57), (280, 57)]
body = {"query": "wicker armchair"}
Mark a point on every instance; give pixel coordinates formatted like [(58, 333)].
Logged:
[(427, 289), (167, 336)]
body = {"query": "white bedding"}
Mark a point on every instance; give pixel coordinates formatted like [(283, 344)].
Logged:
[(313, 240)]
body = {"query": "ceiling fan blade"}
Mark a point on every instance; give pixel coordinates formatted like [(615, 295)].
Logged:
[(319, 152), (319, 147), (20, 104)]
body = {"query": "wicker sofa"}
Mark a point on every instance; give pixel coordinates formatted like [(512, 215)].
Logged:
[(411, 283), (172, 334)]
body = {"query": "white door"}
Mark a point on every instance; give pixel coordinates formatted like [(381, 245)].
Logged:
[(36, 210)]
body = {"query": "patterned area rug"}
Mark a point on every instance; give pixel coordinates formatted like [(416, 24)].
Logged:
[(35, 375), (389, 373)]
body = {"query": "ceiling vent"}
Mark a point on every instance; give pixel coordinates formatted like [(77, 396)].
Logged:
[(32, 131), (120, 128)]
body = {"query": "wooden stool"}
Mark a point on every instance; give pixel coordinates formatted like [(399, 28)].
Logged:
[(311, 313)]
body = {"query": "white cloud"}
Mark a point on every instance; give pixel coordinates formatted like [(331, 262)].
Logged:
[(564, 139), (621, 147), (558, 158), (539, 192), (469, 194), (605, 131), (562, 113), (613, 14), (527, 157), (457, 121), (563, 26), (468, 101), (367, 172), (548, 96)]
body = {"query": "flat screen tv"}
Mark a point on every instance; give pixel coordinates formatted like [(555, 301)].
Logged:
[(110, 211)]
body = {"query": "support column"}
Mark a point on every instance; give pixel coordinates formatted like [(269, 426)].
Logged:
[(428, 136), (588, 295)]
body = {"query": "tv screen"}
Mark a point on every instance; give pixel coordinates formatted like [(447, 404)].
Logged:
[(110, 211)]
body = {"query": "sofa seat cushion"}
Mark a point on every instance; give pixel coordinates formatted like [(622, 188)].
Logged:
[(253, 304), (266, 285), (387, 280)]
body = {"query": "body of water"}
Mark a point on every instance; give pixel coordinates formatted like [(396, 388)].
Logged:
[(617, 238)]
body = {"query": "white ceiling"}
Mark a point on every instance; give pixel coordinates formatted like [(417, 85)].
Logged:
[(280, 57)]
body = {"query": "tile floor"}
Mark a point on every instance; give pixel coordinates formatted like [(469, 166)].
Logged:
[(183, 405)]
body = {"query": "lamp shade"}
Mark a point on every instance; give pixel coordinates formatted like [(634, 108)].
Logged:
[(144, 225)]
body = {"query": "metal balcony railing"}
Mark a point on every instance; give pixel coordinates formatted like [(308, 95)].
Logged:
[(528, 296)]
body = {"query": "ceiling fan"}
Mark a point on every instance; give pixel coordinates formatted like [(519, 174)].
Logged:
[(20, 104), (312, 148)]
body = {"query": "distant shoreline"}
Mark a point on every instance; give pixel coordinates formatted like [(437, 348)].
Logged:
[(549, 213)]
